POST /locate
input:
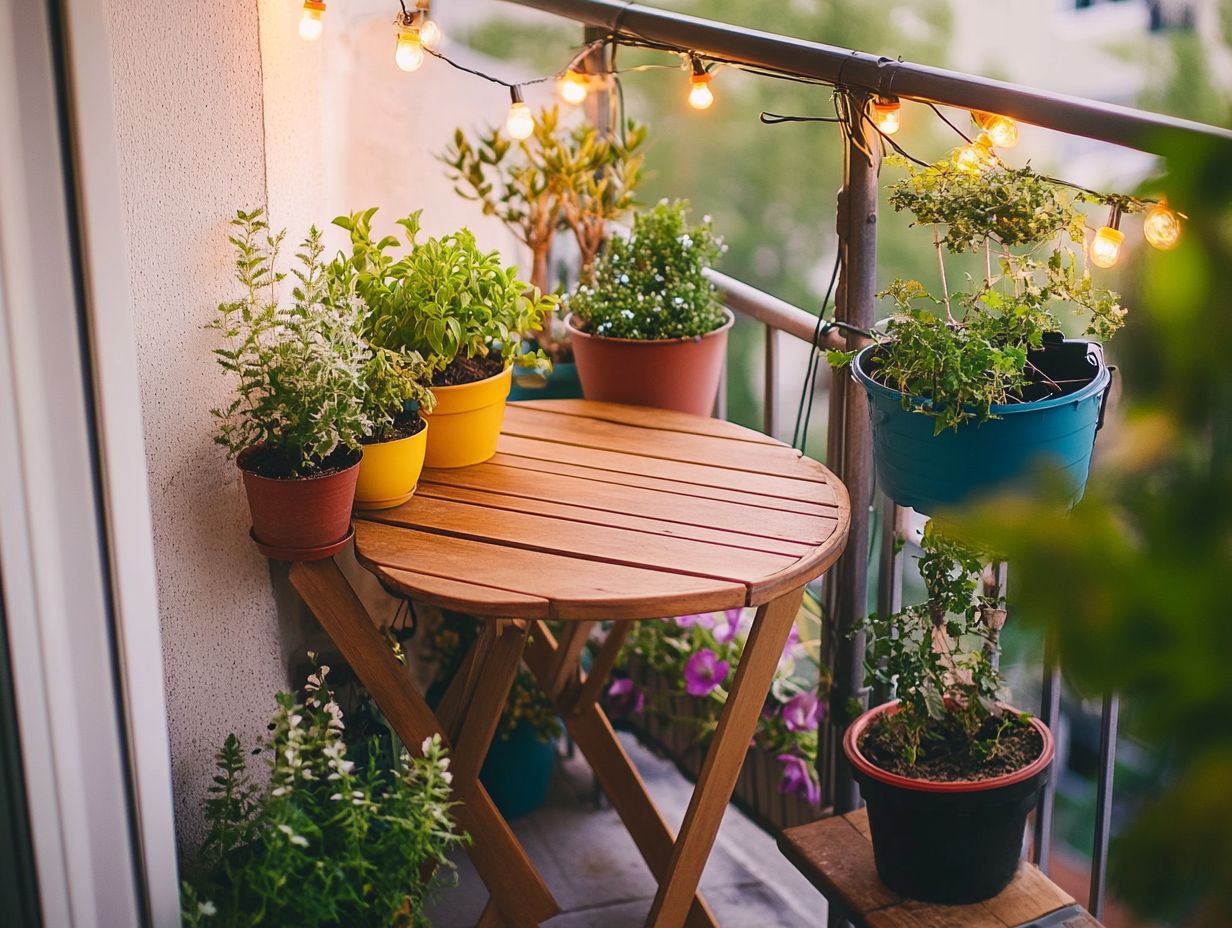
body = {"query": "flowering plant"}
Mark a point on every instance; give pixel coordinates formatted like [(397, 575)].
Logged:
[(698, 656), (326, 841)]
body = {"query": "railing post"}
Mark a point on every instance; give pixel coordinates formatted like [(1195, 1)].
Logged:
[(1103, 803), (1050, 715), (600, 102), (769, 415), (889, 573), (858, 243)]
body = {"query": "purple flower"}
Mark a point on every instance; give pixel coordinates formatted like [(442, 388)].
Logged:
[(725, 632), (704, 672), (802, 713), (798, 779), (704, 619), (625, 698)]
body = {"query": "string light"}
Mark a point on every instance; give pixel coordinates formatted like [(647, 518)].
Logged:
[(574, 87), (1002, 130), (1106, 246), (430, 34), (701, 97), (520, 124), (310, 26), (1162, 226), (975, 157), (408, 53), (887, 114)]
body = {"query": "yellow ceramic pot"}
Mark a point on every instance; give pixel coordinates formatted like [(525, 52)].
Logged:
[(389, 471), (467, 421)]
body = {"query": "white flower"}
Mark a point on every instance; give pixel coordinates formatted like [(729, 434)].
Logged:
[(280, 791), (357, 794), (286, 829), (300, 840), (426, 746), (207, 908), (447, 777), (335, 797)]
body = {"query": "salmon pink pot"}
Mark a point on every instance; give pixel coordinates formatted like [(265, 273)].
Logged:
[(671, 373), (949, 842), (300, 518)]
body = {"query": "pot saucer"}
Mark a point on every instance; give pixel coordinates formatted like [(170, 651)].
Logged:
[(317, 553)]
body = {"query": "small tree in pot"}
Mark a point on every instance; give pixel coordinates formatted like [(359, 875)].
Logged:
[(948, 771), (298, 415), (650, 331)]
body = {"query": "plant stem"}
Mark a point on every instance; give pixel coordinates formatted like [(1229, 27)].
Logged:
[(945, 287)]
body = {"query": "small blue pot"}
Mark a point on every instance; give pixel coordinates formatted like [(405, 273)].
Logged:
[(518, 771), (932, 472), (560, 384)]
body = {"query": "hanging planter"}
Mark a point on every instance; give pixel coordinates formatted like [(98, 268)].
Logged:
[(929, 470), (954, 842)]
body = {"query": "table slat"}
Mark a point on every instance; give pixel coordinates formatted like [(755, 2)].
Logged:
[(649, 417), (469, 596)]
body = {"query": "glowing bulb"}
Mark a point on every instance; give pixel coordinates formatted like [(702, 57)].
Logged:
[(310, 21), (887, 114), (1162, 226), (1002, 130), (430, 33), (520, 124), (1106, 246), (701, 97), (409, 54), (574, 88), (975, 157)]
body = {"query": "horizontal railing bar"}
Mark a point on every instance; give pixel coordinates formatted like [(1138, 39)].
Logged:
[(747, 300), (1107, 122)]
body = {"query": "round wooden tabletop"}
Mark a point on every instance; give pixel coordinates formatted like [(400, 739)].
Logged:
[(599, 511)]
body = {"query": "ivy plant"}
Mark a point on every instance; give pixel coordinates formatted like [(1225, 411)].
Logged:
[(442, 297), (299, 369), (323, 841), (938, 655), (653, 284), (957, 355)]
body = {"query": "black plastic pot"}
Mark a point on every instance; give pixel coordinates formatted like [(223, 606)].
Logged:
[(953, 842)]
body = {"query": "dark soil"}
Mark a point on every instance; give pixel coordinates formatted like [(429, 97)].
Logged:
[(266, 463), (468, 370), (946, 757), (404, 426)]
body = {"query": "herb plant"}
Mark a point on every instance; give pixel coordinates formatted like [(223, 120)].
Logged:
[(653, 284), (939, 657), (444, 297), (957, 356), (324, 842), (300, 369)]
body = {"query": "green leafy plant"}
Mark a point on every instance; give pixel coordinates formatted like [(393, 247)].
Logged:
[(443, 298), (957, 356), (938, 655), (300, 369), (653, 284), (323, 842)]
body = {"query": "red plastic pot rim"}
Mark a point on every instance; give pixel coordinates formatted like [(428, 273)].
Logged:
[(868, 768), (315, 553), (252, 449), (575, 332)]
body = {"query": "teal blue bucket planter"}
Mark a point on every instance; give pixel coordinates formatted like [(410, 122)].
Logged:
[(518, 771), (932, 472), (561, 383)]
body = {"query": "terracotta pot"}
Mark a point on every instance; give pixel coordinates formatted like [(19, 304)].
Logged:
[(949, 842), (671, 373), (300, 518), (466, 421)]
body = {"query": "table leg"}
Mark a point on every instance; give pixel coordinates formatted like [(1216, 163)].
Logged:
[(590, 729), (516, 887), (725, 757)]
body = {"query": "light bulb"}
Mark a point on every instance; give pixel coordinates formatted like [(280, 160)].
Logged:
[(1162, 226), (1106, 246), (409, 54), (887, 114), (310, 26), (429, 33), (520, 124), (1002, 131), (573, 87), (975, 157), (701, 97)]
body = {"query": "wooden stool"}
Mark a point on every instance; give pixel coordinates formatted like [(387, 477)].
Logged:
[(590, 512), (836, 855)]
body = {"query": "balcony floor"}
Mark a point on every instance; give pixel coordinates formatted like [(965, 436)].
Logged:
[(598, 877)]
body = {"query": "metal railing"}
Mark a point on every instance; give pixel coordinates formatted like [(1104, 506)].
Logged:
[(848, 440)]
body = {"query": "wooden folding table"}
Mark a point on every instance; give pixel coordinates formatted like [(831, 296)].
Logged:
[(590, 512)]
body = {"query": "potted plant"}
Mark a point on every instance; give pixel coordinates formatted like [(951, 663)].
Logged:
[(463, 310), (295, 424), (323, 841), (969, 391), (560, 178), (649, 331), (949, 772)]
